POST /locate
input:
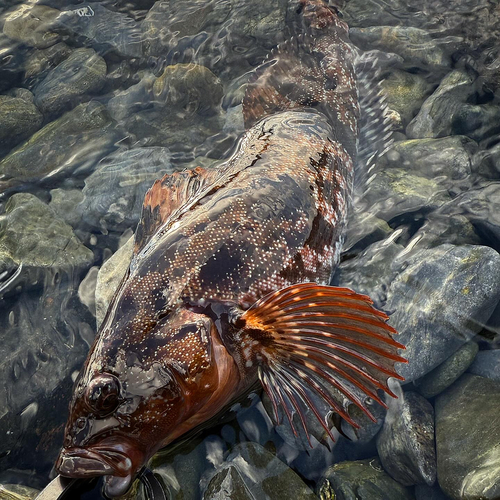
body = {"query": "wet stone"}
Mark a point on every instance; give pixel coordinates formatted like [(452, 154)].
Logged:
[(439, 300), (487, 364), (489, 163), (368, 429), (11, 63), (425, 492), (39, 62), (102, 29), (114, 192), (363, 229), (415, 45), (361, 480), (447, 372), (468, 439), (35, 245), (32, 25), (405, 444), (17, 492), (227, 485), (61, 147), (63, 202), (479, 122), (82, 73), (19, 119)]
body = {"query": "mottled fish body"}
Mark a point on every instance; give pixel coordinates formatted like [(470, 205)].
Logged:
[(229, 279)]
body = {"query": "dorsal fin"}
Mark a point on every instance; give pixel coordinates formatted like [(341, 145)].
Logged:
[(168, 198)]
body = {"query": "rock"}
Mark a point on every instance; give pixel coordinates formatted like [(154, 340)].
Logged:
[(19, 119), (39, 62), (361, 480), (405, 444), (425, 492), (363, 229), (405, 92), (368, 429), (394, 192), (487, 364), (37, 245), (32, 25), (83, 73), (414, 45), (439, 300), (64, 203), (103, 29), (436, 116), (45, 338), (444, 160), (114, 192), (11, 63), (109, 277), (227, 485), (264, 475), (61, 147), (489, 163), (468, 439), (479, 122), (447, 372), (17, 492)]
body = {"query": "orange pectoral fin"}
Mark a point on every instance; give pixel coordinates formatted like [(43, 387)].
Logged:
[(311, 337)]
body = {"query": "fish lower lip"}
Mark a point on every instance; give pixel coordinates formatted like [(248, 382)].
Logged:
[(115, 486)]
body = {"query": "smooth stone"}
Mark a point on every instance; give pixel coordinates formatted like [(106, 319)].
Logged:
[(425, 492), (38, 244), (445, 160), (479, 122), (12, 63), (32, 25), (110, 276), (227, 485), (39, 62), (447, 372), (487, 364), (437, 113), (414, 45), (394, 192), (439, 300), (17, 492), (19, 119), (61, 147), (114, 192), (405, 92), (363, 229), (468, 439), (64, 202), (405, 444), (103, 29), (82, 73), (488, 163), (361, 480)]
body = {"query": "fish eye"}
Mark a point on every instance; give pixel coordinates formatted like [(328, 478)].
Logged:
[(103, 394)]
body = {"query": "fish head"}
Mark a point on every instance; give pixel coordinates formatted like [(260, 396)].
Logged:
[(137, 396)]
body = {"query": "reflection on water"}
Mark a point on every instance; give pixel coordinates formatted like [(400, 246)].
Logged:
[(101, 98)]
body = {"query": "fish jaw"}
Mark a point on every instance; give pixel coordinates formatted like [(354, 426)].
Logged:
[(118, 462)]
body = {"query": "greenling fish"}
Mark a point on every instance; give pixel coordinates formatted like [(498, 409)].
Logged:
[(229, 279)]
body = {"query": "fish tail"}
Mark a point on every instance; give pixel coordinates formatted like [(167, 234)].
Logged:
[(320, 348)]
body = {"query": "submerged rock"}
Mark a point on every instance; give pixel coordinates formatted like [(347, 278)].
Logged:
[(447, 372), (36, 246), (17, 492), (83, 73), (227, 485), (361, 480), (487, 364), (64, 203), (406, 442), (468, 439), (39, 62)]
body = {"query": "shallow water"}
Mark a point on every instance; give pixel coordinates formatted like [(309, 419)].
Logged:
[(99, 99)]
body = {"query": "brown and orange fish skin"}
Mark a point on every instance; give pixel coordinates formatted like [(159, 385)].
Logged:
[(182, 338)]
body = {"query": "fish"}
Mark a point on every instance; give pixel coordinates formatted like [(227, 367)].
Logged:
[(229, 280)]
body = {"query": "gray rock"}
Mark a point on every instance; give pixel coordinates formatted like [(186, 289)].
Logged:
[(406, 442), (36, 246), (405, 92), (394, 192), (439, 300), (82, 73), (12, 64), (17, 492), (487, 364), (447, 372), (109, 277), (32, 25), (479, 122), (468, 439), (435, 118), (114, 192), (61, 147), (488, 163), (425, 492), (19, 119), (363, 229), (39, 62), (64, 202), (227, 485), (103, 29), (414, 45), (444, 160), (361, 480)]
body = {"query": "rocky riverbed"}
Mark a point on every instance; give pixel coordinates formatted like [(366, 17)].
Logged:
[(99, 99)]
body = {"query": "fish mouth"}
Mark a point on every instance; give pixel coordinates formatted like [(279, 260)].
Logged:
[(118, 464)]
